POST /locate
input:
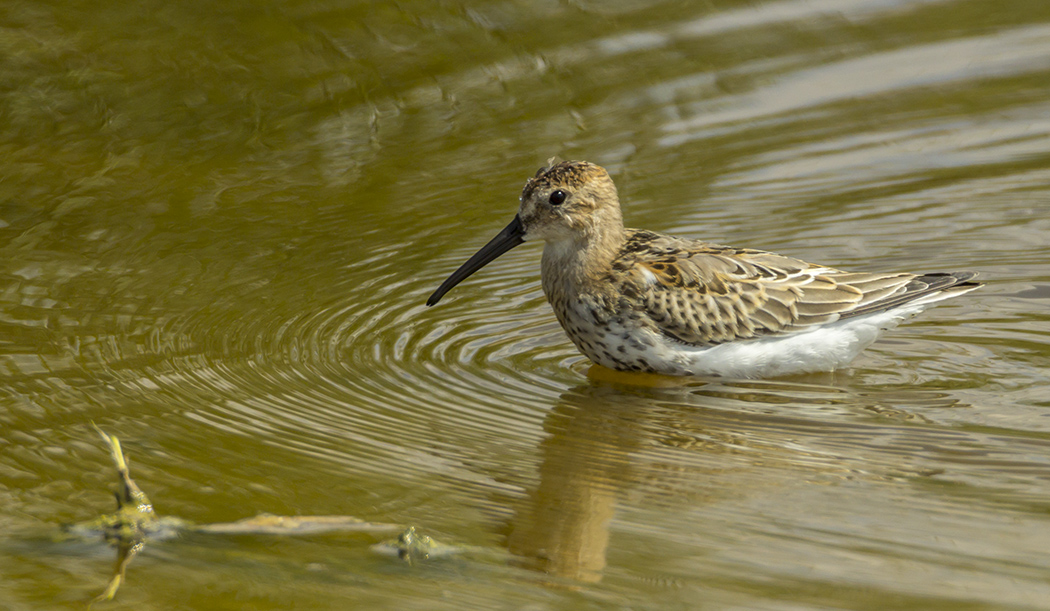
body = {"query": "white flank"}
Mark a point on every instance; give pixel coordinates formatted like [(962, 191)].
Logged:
[(822, 349)]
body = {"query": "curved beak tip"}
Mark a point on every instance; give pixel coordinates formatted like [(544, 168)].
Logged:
[(511, 236)]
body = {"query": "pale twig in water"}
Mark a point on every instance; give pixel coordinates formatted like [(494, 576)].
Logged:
[(135, 522)]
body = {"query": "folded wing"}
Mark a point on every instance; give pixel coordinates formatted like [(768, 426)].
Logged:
[(704, 294)]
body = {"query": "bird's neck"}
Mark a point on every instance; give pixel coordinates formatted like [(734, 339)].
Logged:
[(573, 264)]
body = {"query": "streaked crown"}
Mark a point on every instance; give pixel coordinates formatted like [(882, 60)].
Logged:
[(569, 200)]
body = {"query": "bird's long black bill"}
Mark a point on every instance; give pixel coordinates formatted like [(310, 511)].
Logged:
[(511, 236)]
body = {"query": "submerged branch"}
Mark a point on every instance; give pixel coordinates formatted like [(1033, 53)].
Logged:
[(135, 522)]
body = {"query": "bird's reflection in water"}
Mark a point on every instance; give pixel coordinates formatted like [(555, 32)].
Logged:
[(715, 440), (562, 526)]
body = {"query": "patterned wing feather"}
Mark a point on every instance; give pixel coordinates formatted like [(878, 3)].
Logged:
[(704, 294)]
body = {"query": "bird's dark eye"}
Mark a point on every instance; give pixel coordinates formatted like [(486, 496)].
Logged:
[(557, 197)]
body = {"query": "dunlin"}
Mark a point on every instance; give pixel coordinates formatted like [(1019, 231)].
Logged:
[(635, 300)]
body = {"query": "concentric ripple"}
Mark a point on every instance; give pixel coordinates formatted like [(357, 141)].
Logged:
[(219, 227), (366, 375)]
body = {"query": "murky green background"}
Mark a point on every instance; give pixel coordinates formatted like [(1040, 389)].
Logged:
[(219, 222)]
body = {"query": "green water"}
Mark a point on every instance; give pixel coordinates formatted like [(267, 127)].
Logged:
[(219, 223)]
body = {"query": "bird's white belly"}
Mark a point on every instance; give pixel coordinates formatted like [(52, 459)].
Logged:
[(824, 348)]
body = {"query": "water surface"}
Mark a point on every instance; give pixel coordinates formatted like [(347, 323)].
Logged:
[(219, 224)]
